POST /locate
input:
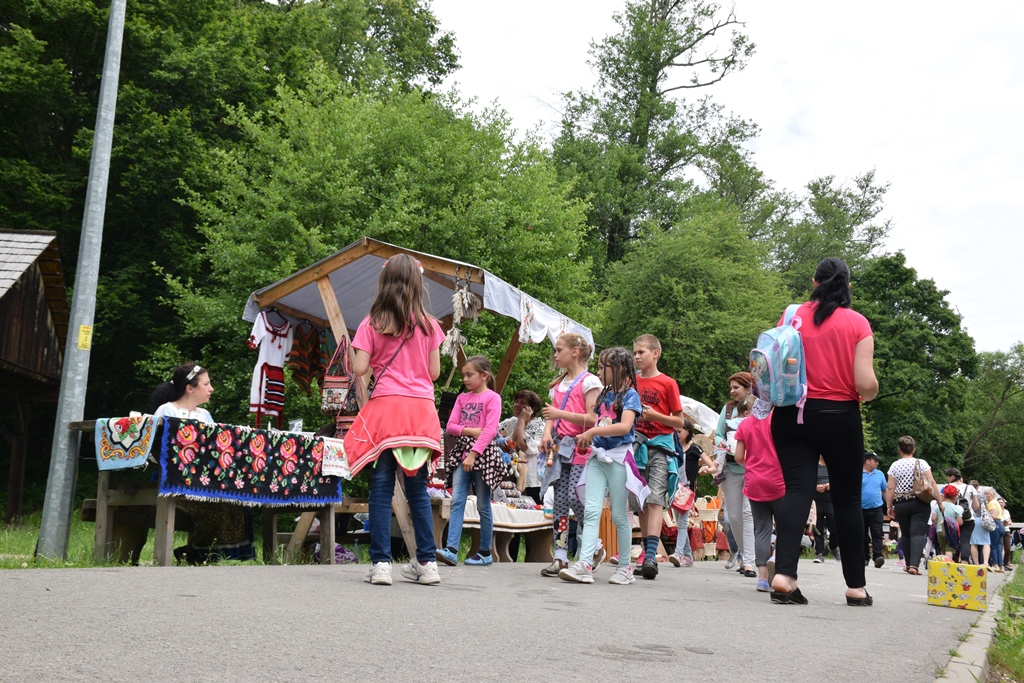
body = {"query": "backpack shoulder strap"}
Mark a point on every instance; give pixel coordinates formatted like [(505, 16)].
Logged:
[(791, 318)]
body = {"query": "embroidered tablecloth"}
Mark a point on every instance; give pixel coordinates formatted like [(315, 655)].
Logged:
[(123, 442), (219, 462)]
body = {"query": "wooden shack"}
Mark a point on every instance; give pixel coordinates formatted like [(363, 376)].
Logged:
[(34, 315)]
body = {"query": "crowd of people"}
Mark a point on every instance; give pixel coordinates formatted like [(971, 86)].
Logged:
[(620, 434)]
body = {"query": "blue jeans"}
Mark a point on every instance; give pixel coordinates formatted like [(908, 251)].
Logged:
[(461, 482), (997, 544), (382, 490), (683, 539)]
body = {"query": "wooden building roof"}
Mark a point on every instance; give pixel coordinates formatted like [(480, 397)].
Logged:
[(34, 311)]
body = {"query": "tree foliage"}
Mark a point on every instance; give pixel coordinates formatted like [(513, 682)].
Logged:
[(628, 144), (699, 288), (321, 166), (924, 360)]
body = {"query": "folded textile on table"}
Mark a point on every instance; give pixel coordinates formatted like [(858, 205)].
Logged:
[(217, 462), (334, 462), (123, 442)]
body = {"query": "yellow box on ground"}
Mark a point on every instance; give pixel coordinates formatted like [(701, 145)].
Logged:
[(963, 586)]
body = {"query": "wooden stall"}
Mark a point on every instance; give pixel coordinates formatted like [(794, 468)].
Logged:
[(337, 292)]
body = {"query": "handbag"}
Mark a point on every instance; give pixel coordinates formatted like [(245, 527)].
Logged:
[(684, 498), (337, 396), (988, 523), (922, 489)]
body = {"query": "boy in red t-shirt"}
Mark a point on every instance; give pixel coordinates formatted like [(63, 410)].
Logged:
[(662, 415)]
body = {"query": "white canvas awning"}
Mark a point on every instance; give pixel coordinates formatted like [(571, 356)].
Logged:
[(347, 281)]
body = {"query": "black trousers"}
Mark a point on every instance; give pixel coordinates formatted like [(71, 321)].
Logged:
[(825, 520), (912, 515), (831, 429), (874, 519), (965, 540)]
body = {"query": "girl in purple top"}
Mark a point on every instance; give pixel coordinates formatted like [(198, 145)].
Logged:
[(475, 460)]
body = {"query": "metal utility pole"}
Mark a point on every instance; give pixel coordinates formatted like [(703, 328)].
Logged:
[(60, 486)]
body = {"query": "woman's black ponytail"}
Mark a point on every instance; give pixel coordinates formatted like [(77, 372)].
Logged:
[(832, 290), (166, 392)]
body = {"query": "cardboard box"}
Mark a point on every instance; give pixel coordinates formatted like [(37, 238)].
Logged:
[(963, 586)]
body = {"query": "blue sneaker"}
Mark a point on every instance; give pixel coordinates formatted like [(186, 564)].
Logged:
[(479, 560), (763, 586), (447, 556)]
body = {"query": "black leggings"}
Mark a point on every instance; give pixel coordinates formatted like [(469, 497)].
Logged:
[(912, 515), (831, 429)]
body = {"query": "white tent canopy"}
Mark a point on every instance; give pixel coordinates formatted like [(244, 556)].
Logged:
[(336, 293)]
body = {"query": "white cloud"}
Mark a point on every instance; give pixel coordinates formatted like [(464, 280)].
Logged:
[(931, 95)]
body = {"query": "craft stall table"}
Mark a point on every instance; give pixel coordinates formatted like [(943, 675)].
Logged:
[(214, 463), (507, 523)]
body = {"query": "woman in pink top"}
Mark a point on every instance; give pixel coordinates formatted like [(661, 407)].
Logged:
[(475, 461), (398, 426), (838, 354)]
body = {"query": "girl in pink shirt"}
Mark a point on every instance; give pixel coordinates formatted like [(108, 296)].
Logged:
[(475, 461), (763, 484), (398, 426), (571, 411)]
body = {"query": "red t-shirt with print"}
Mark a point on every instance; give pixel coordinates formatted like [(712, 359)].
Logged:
[(661, 393)]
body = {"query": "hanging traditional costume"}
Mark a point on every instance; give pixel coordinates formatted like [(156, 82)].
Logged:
[(266, 396)]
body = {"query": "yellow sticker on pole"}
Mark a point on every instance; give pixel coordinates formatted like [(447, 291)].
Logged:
[(85, 337)]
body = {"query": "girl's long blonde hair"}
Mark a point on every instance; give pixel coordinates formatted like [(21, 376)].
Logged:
[(398, 308), (575, 341)]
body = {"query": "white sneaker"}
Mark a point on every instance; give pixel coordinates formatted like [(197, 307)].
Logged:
[(422, 573), (734, 560), (579, 572), (379, 574), (599, 557), (676, 559), (622, 577)]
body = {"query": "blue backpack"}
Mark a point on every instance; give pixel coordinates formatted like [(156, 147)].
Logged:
[(777, 364)]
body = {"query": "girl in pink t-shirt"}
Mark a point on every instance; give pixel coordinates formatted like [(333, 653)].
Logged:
[(571, 411), (763, 484), (475, 461), (398, 426)]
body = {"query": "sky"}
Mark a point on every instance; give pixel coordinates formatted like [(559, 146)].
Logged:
[(929, 95)]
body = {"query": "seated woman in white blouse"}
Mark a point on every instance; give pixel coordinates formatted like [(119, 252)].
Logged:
[(188, 389), (220, 530)]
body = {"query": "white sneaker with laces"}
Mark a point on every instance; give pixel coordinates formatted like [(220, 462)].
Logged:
[(379, 574), (422, 573), (579, 572), (599, 557), (622, 577)]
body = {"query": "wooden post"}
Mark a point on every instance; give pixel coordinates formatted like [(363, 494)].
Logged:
[(507, 361), (102, 530), (163, 535), (334, 314), (18, 440), (327, 535), (298, 536), (270, 535)]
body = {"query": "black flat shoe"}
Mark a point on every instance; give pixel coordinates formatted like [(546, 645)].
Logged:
[(749, 573), (866, 601), (794, 597)]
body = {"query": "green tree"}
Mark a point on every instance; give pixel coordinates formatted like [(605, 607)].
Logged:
[(700, 289), (993, 418), (322, 166), (629, 144), (184, 64), (924, 360), (832, 219)]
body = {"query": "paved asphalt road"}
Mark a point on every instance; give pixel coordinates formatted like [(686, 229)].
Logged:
[(313, 623)]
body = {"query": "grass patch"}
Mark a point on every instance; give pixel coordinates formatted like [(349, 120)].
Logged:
[(1006, 656)]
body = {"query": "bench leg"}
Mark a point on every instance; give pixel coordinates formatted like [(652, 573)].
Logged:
[(539, 547), (500, 549), (270, 536), (102, 530), (327, 535), (163, 535), (298, 536)]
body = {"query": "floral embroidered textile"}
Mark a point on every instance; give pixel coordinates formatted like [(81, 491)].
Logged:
[(238, 463), (123, 442)]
